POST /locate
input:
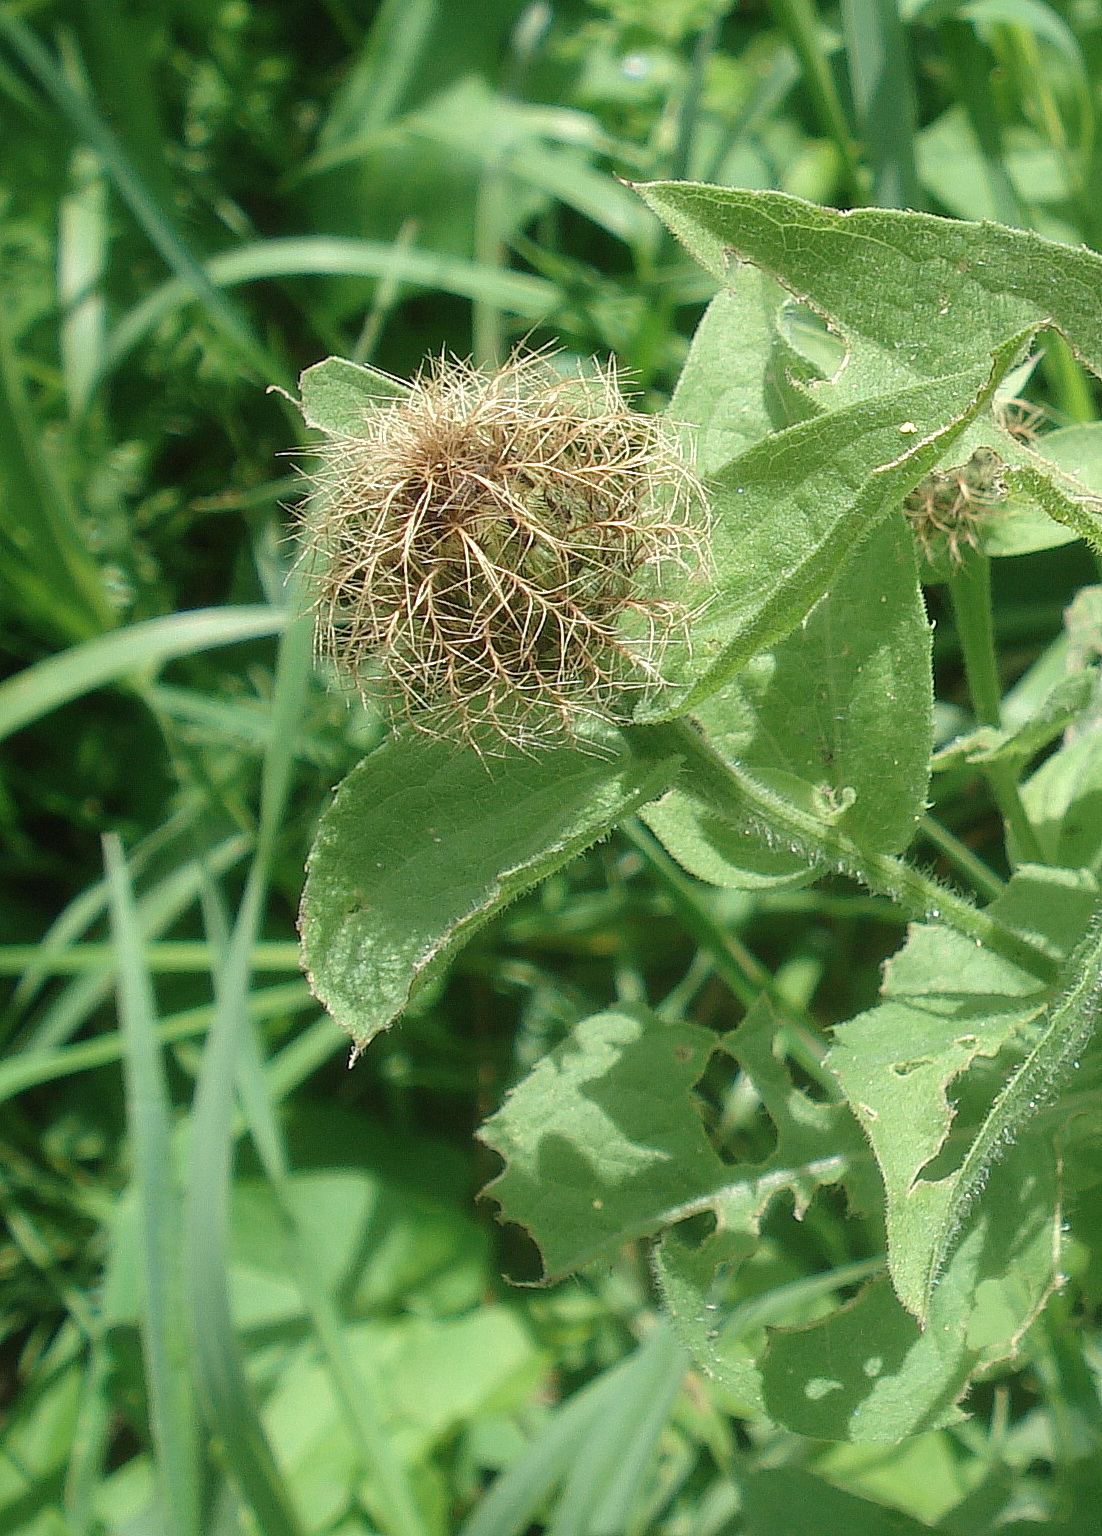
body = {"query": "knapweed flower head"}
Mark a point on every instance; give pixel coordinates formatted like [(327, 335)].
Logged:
[(948, 509), (495, 553)]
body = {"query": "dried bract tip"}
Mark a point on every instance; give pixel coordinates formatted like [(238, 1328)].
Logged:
[(491, 551), (947, 509)]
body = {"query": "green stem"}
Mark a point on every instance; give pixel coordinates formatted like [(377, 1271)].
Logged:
[(918, 896), (707, 38), (742, 971), (798, 20), (970, 590), (963, 860)]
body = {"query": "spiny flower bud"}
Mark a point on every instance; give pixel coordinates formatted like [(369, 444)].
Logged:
[(494, 552), (947, 509)]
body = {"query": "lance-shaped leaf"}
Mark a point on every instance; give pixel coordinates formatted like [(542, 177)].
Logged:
[(914, 296), (788, 513), (425, 841), (950, 1009)]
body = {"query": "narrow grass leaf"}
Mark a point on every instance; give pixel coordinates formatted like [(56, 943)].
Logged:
[(49, 568), (880, 77), (157, 908), (604, 1480), (139, 649), (516, 1499), (361, 1402), (31, 1068), (517, 293), (171, 1408), (90, 125), (219, 1365)]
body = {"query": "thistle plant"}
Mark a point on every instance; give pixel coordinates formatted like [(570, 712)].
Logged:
[(495, 552), (494, 549)]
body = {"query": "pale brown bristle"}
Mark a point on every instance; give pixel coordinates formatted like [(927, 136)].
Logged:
[(489, 553), (948, 508)]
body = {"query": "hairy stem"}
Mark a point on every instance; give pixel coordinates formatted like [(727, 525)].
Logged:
[(920, 898), (963, 860)]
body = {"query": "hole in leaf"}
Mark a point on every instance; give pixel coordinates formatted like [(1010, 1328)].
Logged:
[(905, 1068)]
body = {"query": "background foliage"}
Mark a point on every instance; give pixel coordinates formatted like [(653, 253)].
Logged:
[(200, 199)]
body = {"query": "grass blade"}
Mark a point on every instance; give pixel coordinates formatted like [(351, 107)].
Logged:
[(30, 1069), (533, 298), (218, 1361), (361, 1404), (172, 1418), (157, 908), (800, 24), (880, 74), (143, 647), (82, 241), (518, 1495), (604, 1478), (40, 545), (132, 189)]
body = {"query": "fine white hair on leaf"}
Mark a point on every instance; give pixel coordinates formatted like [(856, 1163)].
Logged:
[(502, 557)]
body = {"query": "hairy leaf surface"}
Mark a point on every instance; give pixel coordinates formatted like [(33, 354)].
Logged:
[(425, 841), (840, 710), (950, 1007)]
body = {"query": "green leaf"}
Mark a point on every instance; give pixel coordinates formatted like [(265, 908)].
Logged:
[(721, 390), (1065, 702), (334, 255), (172, 1410), (425, 841), (788, 512), (789, 1501), (869, 1372), (140, 648), (916, 297), (841, 709), (817, 1144), (1063, 800), (337, 394), (949, 1007), (602, 1141)]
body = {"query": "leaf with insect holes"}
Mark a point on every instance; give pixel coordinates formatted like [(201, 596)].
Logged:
[(959, 1019), (842, 707), (817, 1144), (425, 841), (788, 512), (912, 297), (602, 1141), (869, 1372)]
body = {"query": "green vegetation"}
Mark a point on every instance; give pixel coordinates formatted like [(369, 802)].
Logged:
[(245, 1288)]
